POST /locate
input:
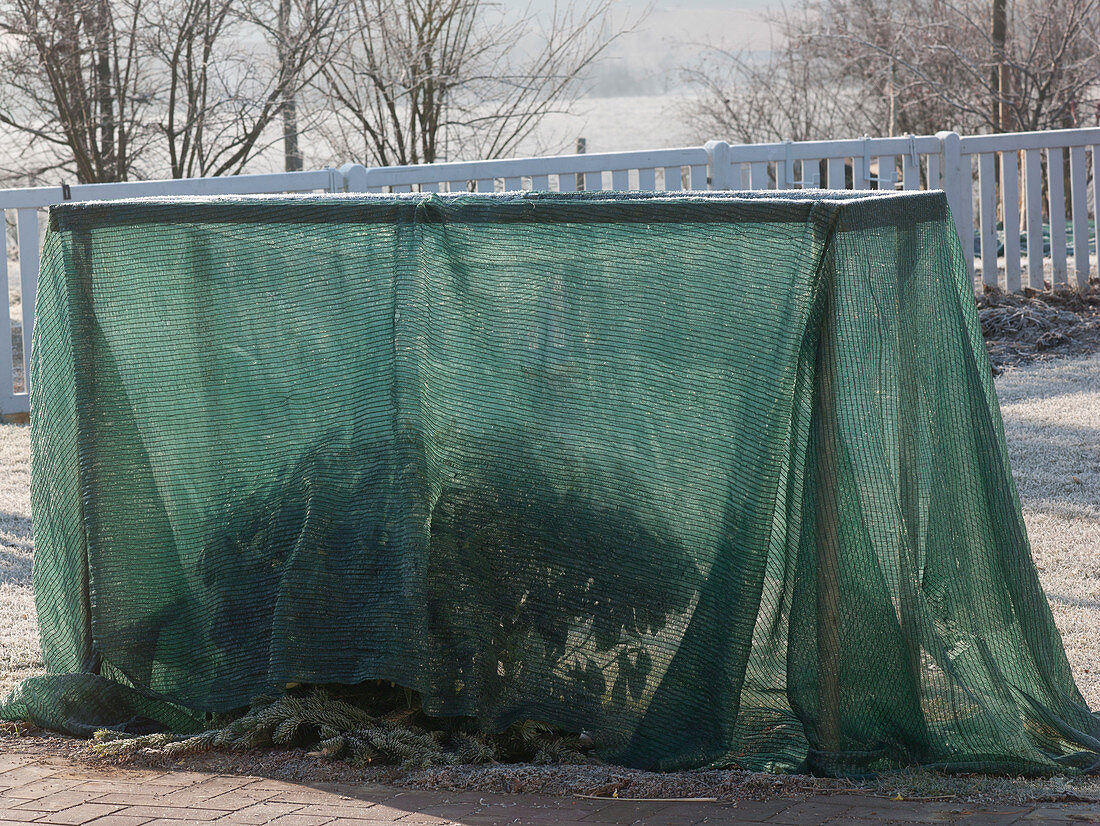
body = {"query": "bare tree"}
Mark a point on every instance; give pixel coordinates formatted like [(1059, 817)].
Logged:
[(75, 83), (230, 69), (1032, 74), (127, 89), (426, 80), (751, 97), (917, 66)]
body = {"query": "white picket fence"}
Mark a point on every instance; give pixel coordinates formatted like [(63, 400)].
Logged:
[(1016, 173)]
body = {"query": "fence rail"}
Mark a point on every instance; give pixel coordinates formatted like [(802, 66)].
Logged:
[(1014, 198)]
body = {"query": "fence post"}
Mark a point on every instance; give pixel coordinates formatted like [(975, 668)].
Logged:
[(957, 187), (582, 147), (720, 171), (354, 177)]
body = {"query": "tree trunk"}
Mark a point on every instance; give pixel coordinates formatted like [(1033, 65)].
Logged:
[(104, 147), (292, 154), (997, 79)]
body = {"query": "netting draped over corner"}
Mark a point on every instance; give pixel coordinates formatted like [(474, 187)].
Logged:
[(720, 479)]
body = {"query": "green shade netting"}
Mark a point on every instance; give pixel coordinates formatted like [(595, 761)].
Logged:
[(718, 478)]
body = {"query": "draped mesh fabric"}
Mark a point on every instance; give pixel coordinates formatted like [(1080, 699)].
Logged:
[(718, 478)]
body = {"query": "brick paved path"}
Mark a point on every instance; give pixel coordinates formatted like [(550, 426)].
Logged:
[(58, 791)]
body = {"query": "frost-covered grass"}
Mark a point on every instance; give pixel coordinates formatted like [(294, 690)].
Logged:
[(1052, 421), (19, 654)]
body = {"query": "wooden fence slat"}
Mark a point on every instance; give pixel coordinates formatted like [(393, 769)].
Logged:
[(965, 218), (1096, 202), (1056, 203), (540, 183), (672, 178), (887, 172), (758, 175), (811, 174), (26, 230), (698, 177), (1078, 182), (934, 176), (593, 181), (988, 216), (620, 180), (1033, 200), (6, 363), (647, 180), (859, 174), (835, 170), (910, 172), (1010, 210), (513, 184)]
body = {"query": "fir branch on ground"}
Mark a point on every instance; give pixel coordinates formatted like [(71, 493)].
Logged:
[(375, 723)]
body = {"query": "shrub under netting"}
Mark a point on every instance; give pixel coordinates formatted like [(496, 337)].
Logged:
[(719, 479)]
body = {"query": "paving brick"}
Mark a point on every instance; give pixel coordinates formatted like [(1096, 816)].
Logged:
[(303, 795), (455, 811), (14, 761), (263, 812), (81, 814), (237, 799), (809, 811), (180, 778), (212, 786), (121, 787), (26, 773), (39, 787), (626, 811), (410, 818), (21, 815), (299, 820), (273, 785), (172, 813), (524, 813), (376, 811), (53, 802), (351, 810), (126, 798), (412, 801), (121, 820), (361, 791)]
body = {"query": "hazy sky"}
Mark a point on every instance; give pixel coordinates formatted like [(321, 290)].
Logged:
[(671, 33), (636, 94)]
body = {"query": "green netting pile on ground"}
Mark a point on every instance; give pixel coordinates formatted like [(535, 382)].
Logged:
[(719, 479)]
